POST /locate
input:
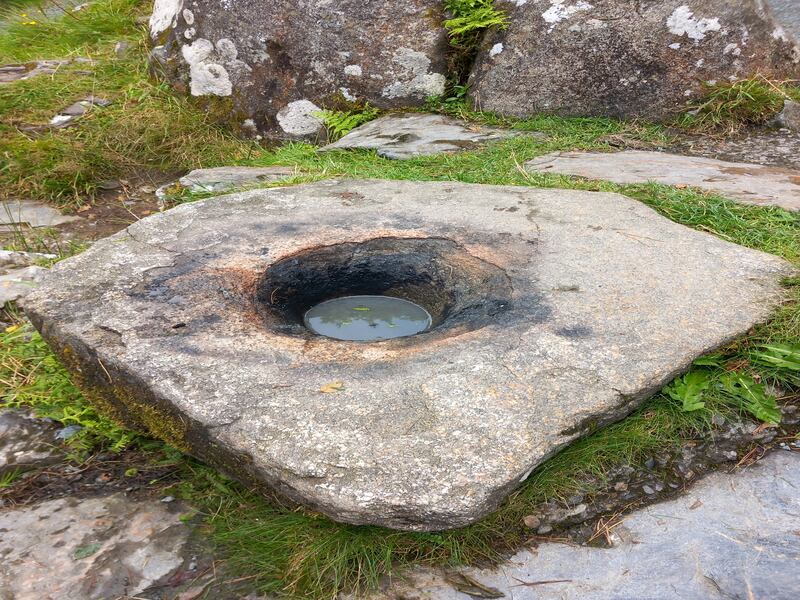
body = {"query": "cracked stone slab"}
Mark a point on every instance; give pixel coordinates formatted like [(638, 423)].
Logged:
[(406, 135), (168, 325), (14, 213), (748, 183), (731, 536), (88, 549)]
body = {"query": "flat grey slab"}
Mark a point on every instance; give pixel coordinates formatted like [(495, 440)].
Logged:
[(749, 183), (33, 214), (225, 179), (731, 537), (406, 135), (88, 549), (170, 325)]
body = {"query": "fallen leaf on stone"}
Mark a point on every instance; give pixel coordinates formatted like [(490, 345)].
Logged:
[(332, 388), (472, 587), (86, 551), (697, 504)]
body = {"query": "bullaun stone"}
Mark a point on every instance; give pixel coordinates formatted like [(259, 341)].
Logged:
[(554, 312)]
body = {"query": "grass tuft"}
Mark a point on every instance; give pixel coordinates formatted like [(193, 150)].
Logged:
[(729, 107)]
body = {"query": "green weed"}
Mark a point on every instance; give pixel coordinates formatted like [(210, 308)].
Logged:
[(469, 19), (8, 478), (699, 387), (339, 122)]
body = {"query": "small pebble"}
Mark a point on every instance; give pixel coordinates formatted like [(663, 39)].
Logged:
[(621, 486), (648, 490), (544, 529), (167, 499)]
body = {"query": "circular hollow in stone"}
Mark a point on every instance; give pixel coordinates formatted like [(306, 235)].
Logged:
[(367, 318), (555, 312), (458, 290)]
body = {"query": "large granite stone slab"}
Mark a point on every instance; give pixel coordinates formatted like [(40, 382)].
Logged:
[(753, 184), (555, 311), (732, 536), (406, 135)]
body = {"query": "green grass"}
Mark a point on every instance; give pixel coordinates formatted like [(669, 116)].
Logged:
[(31, 376), (146, 129), (84, 33), (291, 550)]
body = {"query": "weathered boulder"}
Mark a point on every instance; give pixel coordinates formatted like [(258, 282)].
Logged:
[(788, 14), (554, 311), (278, 62), (624, 58)]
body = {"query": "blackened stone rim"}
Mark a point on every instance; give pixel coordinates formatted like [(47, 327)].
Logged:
[(460, 291)]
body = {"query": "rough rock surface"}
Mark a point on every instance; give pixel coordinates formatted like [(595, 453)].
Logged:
[(88, 549), (753, 184), (731, 536), (624, 59), (27, 442), (174, 324), (278, 62), (787, 12), (789, 117), (406, 135)]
